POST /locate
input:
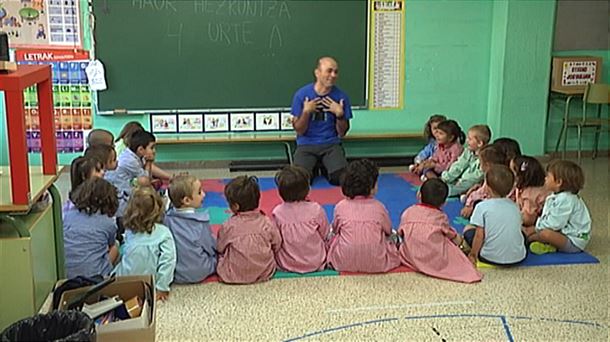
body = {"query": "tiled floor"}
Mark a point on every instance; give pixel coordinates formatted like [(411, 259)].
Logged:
[(552, 303)]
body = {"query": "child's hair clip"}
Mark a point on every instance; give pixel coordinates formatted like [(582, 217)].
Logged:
[(523, 166)]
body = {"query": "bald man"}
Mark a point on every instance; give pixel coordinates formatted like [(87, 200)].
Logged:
[(321, 118)]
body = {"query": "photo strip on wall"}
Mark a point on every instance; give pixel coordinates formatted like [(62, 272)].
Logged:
[(172, 123)]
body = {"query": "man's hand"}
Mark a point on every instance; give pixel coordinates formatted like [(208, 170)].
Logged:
[(310, 106), (333, 107)]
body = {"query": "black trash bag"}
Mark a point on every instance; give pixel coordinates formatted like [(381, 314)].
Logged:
[(57, 326)]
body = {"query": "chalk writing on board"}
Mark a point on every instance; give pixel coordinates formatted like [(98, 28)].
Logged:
[(237, 33), (156, 5), (276, 37), (246, 8), (175, 31)]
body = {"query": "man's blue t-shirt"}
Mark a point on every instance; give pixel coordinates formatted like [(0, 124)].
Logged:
[(321, 129)]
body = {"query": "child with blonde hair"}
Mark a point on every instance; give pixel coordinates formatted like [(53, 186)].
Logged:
[(430, 245), (89, 229), (361, 225), (565, 223), (494, 231), (449, 140), (429, 135), (488, 156), (466, 172), (302, 223), (149, 245), (195, 245), (248, 241), (530, 193)]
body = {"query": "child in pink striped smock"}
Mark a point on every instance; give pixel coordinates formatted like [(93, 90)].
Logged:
[(488, 155), (361, 225), (430, 245), (449, 138), (530, 193), (302, 224), (247, 242)]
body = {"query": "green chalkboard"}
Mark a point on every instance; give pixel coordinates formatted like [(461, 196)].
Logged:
[(188, 55)]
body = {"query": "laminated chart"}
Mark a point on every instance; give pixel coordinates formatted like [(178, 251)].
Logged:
[(41, 22), (387, 54), (71, 98)]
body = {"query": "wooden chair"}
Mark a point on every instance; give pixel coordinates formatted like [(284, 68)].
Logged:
[(596, 94)]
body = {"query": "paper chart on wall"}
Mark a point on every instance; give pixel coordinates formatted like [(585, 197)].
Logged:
[(41, 22)]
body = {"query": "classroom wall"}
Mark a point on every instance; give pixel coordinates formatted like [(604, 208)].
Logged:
[(474, 61)]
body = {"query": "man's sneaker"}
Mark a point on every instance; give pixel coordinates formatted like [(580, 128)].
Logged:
[(537, 247)]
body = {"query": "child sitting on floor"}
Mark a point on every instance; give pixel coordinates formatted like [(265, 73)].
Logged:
[(430, 244), (465, 172), (494, 231), (104, 154), (302, 224), (361, 225), (488, 156), (195, 245), (149, 245), (90, 229), (530, 192), (100, 136), (248, 240), (449, 139), (565, 223), (429, 135)]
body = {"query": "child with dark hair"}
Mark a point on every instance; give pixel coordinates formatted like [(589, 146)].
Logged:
[(248, 240), (195, 245), (510, 147), (134, 165), (430, 244), (565, 223), (488, 156), (149, 245), (530, 192), (302, 224), (430, 136), (89, 229), (465, 172), (83, 168), (100, 136), (104, 154), (361, 225), (494, 231), (122, 141), (449, 139)]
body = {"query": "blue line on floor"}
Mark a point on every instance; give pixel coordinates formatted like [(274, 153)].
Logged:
[(344, 327), (570, 321), (509, 335)]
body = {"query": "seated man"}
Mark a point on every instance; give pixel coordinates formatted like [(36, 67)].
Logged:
[(321, 117)]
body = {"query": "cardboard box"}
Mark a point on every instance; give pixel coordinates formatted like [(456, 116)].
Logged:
[(136, 329), (572, 73)]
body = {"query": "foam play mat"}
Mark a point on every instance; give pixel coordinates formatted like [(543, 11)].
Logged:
[(397, 191)]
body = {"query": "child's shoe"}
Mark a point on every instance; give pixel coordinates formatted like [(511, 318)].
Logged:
[(423, 178), (463, 198), (537, 247), (412, 167)]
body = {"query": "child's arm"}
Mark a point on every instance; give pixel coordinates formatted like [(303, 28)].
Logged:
[(529, 212), (555, 215), (275, 237), (477, 244), (456, 169), (167, 263), (222, 241), (426, 152), (158, 172), (386, 223)]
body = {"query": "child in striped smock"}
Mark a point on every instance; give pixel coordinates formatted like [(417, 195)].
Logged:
[(361, 225), (302, 224)]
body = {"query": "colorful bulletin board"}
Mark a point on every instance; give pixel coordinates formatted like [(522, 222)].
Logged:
[(41, 22), (71, 98), (387, 49)]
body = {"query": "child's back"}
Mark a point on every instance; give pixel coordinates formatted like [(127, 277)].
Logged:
[(501, 220), (530, 201), (428, 248), (195, 245), (89, 228), (246, 246), (303, 227), (362, 227), (567, 213)]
